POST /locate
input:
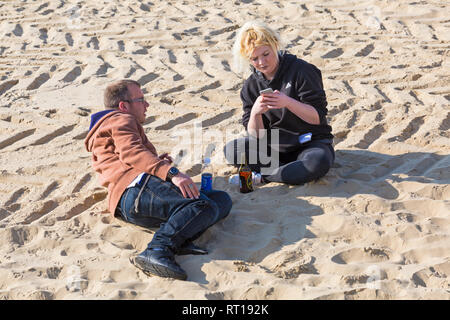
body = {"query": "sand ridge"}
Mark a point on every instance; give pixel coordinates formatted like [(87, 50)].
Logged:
[(376, 227)]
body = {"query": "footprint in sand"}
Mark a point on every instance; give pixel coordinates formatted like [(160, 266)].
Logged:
[(83, 205), (180, 120), (371, 136), (333, 53), (38, 81), (412, 127), (361, 255), (218, 118), (435, 276), (5, 86), (18, 31), (16, 137), (19, 235), (45, 208), (73, 74), (52, 135), (365, 51)]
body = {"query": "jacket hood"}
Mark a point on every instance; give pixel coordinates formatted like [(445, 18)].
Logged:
[(96, 120), (285, 59)]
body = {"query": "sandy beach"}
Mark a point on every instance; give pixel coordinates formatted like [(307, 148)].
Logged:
[(377, 226)]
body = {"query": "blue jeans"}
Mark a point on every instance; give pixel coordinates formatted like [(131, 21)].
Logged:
[(179, 219)]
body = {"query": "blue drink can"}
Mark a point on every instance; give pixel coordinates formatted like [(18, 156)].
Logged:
[(206, 182)]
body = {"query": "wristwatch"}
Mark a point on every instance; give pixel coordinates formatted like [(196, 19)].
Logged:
[(173, 171)]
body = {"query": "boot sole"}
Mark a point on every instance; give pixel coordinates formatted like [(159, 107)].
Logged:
[(199, 251), (151, 269)]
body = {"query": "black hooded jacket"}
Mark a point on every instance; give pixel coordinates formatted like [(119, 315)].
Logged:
[(297, 79)]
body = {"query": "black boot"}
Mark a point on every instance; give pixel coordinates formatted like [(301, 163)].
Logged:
[(159, 262)]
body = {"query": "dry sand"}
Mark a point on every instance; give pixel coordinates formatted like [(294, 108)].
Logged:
[(376, 227)]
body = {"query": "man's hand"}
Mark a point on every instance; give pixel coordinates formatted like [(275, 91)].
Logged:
[(186, 185), (166, 156)]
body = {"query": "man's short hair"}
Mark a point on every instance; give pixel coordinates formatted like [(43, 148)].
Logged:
[(116, 92)]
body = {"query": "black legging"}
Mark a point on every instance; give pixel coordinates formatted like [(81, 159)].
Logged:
[(308, 163)]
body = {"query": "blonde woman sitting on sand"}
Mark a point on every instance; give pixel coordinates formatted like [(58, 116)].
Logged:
[(295, 107)]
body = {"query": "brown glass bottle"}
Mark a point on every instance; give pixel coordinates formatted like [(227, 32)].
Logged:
[(245, 176)]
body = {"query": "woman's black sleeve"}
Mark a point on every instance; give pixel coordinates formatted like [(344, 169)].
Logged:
[(248, 99), (310, 89)]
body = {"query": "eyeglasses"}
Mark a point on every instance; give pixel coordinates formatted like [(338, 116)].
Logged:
[(136, 100)]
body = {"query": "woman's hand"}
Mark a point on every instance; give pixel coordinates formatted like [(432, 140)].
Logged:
[(259, 107), (275, 100), (278, 100)]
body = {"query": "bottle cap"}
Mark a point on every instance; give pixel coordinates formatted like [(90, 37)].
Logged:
[(206, 160)]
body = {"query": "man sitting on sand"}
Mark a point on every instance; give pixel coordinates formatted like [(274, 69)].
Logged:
[(144, 188)]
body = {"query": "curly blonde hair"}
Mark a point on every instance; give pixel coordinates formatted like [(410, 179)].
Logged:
[(251, 35)]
